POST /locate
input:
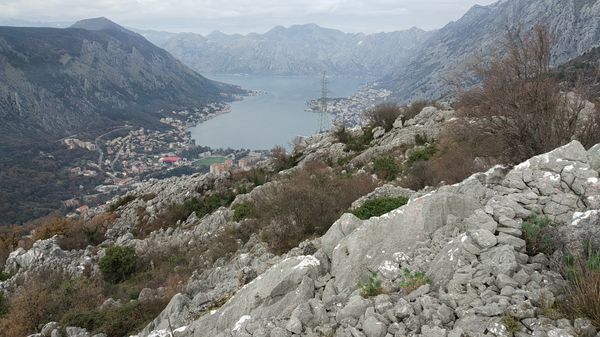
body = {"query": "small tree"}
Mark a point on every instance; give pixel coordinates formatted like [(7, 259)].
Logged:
[(386, 168), (118, 263)]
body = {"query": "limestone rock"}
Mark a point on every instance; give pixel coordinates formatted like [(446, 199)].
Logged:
[(374, 328), (378, 239)]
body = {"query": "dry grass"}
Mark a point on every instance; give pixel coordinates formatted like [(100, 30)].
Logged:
[(583, 290)]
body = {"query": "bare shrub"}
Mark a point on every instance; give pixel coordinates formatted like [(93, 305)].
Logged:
[(12, 237), (306, 203), (73, 233), (50, 226), (281, 159), (223, 244), (25, 311), (520, 103), (82, 233), (419, 175), (383, 115), (459, 152), (462, 152), (411, 111), (48, 297)]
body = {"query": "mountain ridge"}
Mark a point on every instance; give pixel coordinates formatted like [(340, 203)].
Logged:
[(295, 50), (575, 25), (54, 77)]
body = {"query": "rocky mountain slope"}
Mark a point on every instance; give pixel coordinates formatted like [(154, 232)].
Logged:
[(58, 82), (575, 25), (79, 82), (297, 50), (451, 262)]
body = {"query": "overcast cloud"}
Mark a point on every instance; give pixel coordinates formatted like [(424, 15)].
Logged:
[(243, 16)]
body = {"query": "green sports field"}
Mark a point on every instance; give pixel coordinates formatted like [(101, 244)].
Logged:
[(210, 160)]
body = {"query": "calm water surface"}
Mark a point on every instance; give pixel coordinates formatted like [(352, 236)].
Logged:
[(261, 122)]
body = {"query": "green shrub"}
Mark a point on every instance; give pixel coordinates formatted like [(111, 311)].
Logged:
[(243, 211), (122, 201), (207, 204), (421, 140), (3, 304), (413, 280), (372, 288), (344, 160), (118, 263), (537, 232), (5, 276), (357, 144), (254, 176), (423, 154), (149, 196), (379, 206), (386, 168)]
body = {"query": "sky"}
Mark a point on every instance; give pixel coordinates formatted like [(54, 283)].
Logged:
[(244, 16)]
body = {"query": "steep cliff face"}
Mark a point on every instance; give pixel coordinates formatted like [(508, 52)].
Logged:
[(55, 82), (575, 25), (297, 50)]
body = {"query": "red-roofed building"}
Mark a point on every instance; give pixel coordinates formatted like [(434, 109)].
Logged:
[(173, 160)]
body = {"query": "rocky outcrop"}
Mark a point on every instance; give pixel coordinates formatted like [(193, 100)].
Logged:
[(377, 242), (47, 255), (428, 125), (466, 238)]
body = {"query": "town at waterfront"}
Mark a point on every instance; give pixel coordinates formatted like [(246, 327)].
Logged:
[(128, 156)]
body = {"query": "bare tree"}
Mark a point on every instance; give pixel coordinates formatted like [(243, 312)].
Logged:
[(521, 104)]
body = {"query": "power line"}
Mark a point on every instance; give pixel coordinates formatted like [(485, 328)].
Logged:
[(323, 122)]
